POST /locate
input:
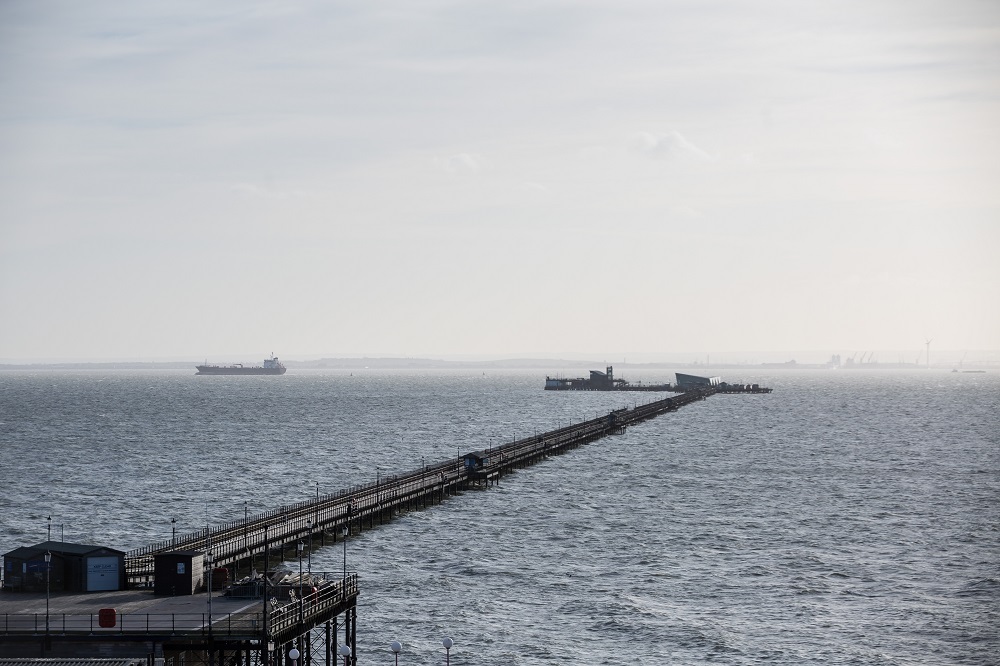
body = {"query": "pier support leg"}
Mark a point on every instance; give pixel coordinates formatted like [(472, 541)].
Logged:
[(329, 644)]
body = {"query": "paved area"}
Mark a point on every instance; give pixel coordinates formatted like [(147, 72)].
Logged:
[(125, 602)]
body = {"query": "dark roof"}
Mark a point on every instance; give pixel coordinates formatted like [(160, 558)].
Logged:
[(478, 455), (184, 553), (57, 548)]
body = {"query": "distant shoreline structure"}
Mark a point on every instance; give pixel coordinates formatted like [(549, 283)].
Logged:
[(550, 365)]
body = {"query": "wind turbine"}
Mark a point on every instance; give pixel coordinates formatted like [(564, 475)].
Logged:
[(928, 343)]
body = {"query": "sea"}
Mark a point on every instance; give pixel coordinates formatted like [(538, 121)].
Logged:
[(849, 517)]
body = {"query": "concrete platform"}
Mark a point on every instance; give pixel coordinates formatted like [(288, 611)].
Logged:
[(125, 602)]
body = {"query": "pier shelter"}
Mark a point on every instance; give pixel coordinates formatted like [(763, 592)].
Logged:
[(74, 568), (178, 573), (476, 460), (694, 381)]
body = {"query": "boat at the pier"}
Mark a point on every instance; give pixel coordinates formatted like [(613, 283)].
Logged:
[(271, 367)]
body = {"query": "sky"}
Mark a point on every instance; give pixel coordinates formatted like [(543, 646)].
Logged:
[(439, 178)]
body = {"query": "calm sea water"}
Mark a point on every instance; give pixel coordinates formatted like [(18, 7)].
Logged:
[(847, 518)]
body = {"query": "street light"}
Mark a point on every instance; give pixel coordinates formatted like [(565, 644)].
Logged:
[(48, 568), (345, 651), (293, 654), (343, 585), (211, 575), (396, 648), (302, 611), (309, 528), (173, 532), (447, 643)]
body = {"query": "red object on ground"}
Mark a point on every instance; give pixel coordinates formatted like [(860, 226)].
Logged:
[(107, 617)]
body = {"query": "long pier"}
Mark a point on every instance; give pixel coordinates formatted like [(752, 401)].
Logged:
[(307, 613), (239, 544)]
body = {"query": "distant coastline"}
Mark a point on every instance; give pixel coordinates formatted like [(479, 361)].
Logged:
[(402, 363)]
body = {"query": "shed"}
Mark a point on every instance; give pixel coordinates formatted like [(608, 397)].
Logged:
[(476, 460), (689, 381), (74, 568), (178, 573)]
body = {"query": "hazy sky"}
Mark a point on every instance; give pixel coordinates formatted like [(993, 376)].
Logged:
[(191, 179)]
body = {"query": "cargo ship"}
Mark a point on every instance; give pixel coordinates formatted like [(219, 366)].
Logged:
[(271, 367)]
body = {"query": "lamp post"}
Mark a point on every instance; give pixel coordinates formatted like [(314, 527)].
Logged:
[(343, 585), (211, 575), (293, 654), (447, 643), (264, 600), (309, 555), (173, 532), (396, 648), (298, 547), (345, 651), (50, 528), (48, 568)]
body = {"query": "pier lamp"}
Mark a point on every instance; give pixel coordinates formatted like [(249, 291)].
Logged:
[(396, 648), (173, 532), (447, 643), (293, 654), (345, 652), (343, 585), (298, 547), (48, 568), (309, 555), (211, 575)]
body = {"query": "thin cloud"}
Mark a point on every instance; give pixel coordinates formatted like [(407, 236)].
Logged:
[(671, 146), (460, 163), (251, 190)]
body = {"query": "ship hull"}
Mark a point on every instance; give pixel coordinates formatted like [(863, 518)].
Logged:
[(237, 370)]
